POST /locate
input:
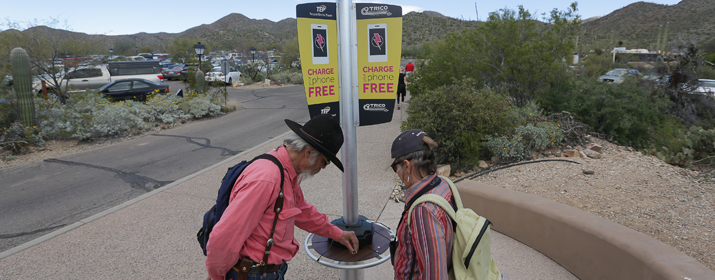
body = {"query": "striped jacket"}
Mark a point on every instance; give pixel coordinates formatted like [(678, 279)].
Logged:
[(428, 241)]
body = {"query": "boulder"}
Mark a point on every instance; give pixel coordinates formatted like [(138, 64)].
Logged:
[(594, 147), (483, 164), (572, 153), (592, 154)]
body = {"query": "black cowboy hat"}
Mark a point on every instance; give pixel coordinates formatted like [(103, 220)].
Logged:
[(323, 133)]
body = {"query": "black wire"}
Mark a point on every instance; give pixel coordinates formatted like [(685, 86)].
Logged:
[(480, 173)]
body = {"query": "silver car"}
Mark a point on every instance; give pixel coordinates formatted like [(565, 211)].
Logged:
[(618, 75)]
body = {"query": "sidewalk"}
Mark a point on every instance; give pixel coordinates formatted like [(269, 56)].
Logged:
[(154, 236)]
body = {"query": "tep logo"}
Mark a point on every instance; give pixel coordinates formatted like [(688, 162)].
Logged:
[(321, 8), (325, 110)]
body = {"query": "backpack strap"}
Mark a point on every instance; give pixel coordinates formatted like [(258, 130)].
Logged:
[(455, 193), (276, 208), (437, 200)]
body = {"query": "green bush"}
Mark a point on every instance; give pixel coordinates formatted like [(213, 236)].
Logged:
[(525, 140), (413, 51), (626, 112), (512, 51), (8, 113), (458, 117), (698, 147)]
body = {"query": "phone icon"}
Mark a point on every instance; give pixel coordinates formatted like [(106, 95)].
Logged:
[(320, 44), (377, 42)]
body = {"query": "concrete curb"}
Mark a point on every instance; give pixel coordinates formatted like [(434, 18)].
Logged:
[(589, 246), (84, 221)]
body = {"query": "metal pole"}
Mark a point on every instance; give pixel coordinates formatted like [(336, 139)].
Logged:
[(347, 119), (349, 124)]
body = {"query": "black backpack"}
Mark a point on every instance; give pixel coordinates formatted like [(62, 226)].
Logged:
[(224, 193)]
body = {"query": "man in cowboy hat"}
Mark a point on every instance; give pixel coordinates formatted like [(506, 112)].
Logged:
[(244, 228)]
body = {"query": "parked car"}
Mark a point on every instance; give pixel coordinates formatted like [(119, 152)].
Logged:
[(706, 87), (618, 75), (177, 71), (133, 89), (216, 75), (165, 66), (94, 77)]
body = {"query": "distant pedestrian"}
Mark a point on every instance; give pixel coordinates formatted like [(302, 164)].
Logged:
[(239, 240), (423, 249), (409, 68), (401, 87)]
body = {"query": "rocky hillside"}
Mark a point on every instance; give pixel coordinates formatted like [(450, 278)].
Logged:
[(638, 24)]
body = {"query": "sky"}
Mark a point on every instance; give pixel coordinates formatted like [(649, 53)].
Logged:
[(131, 16)]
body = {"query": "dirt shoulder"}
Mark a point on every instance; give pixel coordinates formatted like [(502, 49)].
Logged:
[(671, 204)]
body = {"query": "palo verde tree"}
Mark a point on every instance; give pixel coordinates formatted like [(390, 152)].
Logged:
[(513, 52), (45, 44), (291, 53), (182, 49)]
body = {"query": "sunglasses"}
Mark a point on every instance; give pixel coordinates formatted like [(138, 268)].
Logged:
[(326, 162), (394, 166)]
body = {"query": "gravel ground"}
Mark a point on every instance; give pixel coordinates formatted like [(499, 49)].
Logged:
[(671, 204)]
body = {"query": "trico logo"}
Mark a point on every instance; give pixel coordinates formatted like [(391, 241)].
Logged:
[(376, 10), (321, 8), (325, 110), (375, 107)]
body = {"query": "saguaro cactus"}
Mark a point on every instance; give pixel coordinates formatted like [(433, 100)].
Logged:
[(200, 81), (22, 79)]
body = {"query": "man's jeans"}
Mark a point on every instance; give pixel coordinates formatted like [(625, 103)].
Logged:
[(278, 275)]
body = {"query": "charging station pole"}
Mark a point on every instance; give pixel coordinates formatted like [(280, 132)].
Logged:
[(347, 119), (324, 30)]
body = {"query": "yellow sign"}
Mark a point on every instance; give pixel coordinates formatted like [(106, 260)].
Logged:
[(318, 41), (379, 49)]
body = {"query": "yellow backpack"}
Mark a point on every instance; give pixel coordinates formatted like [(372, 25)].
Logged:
[(471, 247)]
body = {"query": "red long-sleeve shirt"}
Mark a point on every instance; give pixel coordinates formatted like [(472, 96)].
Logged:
[(246, 224)]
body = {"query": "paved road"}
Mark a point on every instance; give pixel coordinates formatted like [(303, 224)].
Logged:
[(38, 198)]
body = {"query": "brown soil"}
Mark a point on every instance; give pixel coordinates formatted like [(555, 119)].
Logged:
[(671, 204)]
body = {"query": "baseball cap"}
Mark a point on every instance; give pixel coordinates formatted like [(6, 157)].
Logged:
[(408, 142)]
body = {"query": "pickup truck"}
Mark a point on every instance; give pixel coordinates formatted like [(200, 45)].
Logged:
[(94, 77)]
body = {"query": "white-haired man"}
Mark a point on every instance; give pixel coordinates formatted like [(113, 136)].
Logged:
[(237, 245)]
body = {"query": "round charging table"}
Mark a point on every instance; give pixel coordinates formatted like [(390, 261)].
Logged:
[(339, 257)]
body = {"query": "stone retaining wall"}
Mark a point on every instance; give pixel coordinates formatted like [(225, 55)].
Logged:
[(589, 246)]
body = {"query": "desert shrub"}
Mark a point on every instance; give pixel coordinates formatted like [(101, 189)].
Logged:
[(458, 117), (114, 121), (289, 77), (16, 136), (8, 113), (531, 112), (201, 105), (88, 116), (626, 113), (162, 108), (413, 51), (596, 65), (698, 148), (524, 140)]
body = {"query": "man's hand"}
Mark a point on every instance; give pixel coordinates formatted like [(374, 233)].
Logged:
[(349, 240)]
